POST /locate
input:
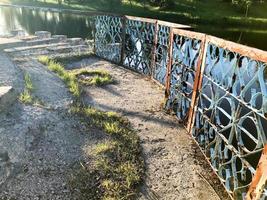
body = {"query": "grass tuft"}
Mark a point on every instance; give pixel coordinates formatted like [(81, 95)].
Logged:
[(28, 82), (26, 96), (112, 127), (105, 147), (93, 77), (44, 60)]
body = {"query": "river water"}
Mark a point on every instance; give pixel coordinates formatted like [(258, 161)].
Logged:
[(80, 26), (36, 20)]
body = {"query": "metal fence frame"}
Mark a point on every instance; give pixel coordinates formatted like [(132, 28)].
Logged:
[(165, 61)]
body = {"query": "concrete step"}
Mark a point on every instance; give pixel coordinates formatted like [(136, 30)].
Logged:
[(44, 41), (75, 41), (68, 48), (7, 97), (60, 37), (55, 49), (43, 34), (18, 33), (29, 38), (6, 43), (32, 48), (38, 40)]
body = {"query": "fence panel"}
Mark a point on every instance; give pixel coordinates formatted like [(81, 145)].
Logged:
[(230, 119), (108, 37), (187, 52), (139, 39)]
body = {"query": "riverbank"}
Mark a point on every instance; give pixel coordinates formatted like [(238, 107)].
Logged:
[(187, 12)]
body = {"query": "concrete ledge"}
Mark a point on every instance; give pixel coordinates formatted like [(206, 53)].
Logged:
[(43, 34), (10, 43), (7, 97)]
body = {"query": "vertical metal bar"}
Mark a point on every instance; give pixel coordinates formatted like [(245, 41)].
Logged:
[(154, 49), (197, 83), (123, 37), (169, 65), (259, 181)]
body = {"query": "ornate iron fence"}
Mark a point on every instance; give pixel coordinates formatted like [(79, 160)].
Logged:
[(139, 37), (108, 37), (216, 87), (184, 68), (229, 115)]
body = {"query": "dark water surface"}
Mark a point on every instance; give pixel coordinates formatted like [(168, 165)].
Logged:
[(37, 20), (80, 26)]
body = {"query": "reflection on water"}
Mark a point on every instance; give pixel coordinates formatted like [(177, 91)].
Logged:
[(80, 26), (36, 20), (249, 37)]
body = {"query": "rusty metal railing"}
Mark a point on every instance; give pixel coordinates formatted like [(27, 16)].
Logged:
[(217, 88), (230, 111)]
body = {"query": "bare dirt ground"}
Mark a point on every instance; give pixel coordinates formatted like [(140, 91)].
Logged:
[(39, 145), (175, 168)]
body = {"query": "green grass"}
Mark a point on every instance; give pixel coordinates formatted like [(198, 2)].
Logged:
[(74, 77), (118, 168), (28, 82), (69, 78), (93, 77), (26, 96), (102, 148), (216, 12)]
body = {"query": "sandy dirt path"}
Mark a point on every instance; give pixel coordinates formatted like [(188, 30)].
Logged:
[(175, 167)]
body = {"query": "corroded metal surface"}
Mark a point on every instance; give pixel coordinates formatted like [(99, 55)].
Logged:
[(259, 182)]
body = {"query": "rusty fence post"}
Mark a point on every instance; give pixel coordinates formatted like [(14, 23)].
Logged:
[(259, 181), (169, 65), (123, 40), (154, 50), (197, 83)]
